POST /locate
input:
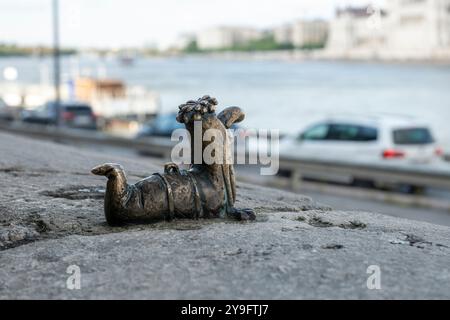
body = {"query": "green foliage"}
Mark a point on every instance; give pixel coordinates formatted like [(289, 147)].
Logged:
[(313, 46), (7, 50), (192, 47), (266, 43), (10, 50)]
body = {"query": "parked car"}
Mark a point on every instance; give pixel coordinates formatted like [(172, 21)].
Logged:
[(160, 129), (72, 114), (374, 139), (6, 112), (161, 126)]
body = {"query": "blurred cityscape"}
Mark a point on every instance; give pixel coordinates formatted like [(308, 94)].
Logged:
[(398, 30), (402, 30)]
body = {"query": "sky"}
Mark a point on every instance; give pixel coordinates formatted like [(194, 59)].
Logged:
[(129, 23)]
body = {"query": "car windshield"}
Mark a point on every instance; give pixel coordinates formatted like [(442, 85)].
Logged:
[(43, 108), (78, 109), (349, 132), (318, 132), (413, 136), (341, 132)]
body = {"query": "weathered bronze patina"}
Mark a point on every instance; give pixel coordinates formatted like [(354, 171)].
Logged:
[(204, 191)]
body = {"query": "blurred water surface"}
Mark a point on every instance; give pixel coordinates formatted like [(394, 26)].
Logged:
[(285, 95)]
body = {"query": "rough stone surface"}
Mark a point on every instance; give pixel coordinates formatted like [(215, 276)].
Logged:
[(51, 217)]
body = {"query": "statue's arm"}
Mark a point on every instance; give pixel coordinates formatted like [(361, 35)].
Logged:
[(231, 115)]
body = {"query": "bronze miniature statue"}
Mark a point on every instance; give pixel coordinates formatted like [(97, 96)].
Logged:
[(204, 191)]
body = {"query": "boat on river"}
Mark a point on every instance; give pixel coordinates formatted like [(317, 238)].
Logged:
[(111, 99)]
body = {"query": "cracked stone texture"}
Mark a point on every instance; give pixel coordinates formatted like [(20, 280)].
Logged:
[(51, 217)]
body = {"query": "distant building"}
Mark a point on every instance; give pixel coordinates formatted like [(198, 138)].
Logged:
[(302, 33), (226, 37), (418, 27), (183, 40), (351, 29), (283, 34), (309, 33), (407, 29)]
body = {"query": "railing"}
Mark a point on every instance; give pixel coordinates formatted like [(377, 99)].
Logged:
[(435, 176), (155, 146)]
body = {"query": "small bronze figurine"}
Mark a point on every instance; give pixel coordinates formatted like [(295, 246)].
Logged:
[(204, 191)]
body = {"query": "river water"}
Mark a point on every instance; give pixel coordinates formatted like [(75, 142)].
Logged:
[(285, 95)]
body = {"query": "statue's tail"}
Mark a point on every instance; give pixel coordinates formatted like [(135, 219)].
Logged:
[(115, 189), (108, 170)]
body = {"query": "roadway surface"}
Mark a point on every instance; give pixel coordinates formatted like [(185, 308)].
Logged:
[(435, 216)]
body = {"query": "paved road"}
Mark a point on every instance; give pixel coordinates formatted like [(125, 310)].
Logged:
[(441, 217)]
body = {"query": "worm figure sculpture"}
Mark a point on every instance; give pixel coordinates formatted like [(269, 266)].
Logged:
[(206, 190)]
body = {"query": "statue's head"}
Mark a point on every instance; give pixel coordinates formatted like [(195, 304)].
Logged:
[(194, 110)]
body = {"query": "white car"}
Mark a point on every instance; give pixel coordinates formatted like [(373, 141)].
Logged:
[(369, 139), (365, 138)]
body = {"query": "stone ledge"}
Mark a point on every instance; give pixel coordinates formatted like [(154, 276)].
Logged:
[(296, 249)]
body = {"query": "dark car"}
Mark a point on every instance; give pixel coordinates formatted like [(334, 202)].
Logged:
[(72, 114), (162, 126), (6, 112)]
